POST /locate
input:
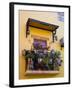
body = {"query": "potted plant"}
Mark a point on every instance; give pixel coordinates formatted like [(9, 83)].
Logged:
[(29, 57), (57, 60), (53, 60)]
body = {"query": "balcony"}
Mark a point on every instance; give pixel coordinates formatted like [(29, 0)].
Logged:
[(42, 61)]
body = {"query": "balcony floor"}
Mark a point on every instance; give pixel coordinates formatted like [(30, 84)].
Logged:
[(28, 72)]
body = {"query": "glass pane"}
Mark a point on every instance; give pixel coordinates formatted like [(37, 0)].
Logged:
[(41, 43)]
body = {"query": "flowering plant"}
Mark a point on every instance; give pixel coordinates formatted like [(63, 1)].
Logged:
[(45, 60)]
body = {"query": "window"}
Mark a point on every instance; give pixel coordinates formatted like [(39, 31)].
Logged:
[(40, 43)]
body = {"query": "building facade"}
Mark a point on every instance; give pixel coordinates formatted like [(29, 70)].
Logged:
[(38, 35)]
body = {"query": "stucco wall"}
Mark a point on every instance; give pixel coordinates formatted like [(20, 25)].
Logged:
[(25, 43)]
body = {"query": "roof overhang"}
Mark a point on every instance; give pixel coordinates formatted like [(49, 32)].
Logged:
[(41, 25)]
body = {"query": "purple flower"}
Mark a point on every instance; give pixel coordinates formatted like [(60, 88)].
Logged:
[(59, 61)]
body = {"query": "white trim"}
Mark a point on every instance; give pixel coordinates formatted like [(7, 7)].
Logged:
[(16, 46)]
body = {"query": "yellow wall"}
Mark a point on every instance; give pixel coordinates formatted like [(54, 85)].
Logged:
[(26, 43)]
